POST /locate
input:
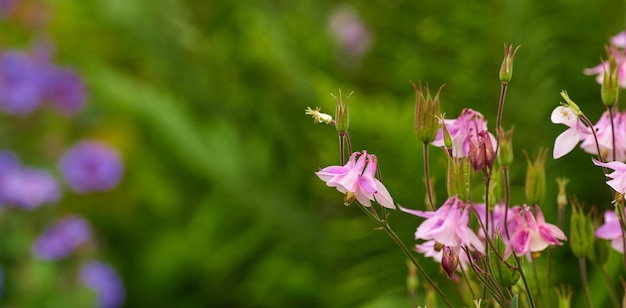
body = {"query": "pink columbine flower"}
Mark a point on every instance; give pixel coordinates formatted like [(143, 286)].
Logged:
[(357, 180), (467, 126), (611, 230), (618, 176), (568, 139), (604, 134), (532, 235), (449, 225)]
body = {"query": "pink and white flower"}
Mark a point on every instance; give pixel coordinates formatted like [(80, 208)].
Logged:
[(357, 180), (604, 133), (467, 126), (532, 235), (449, 225), (568, 139), (611, 230), (618, 176)]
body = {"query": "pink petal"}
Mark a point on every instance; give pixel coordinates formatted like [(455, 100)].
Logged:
[(565, 142), (382, 195)]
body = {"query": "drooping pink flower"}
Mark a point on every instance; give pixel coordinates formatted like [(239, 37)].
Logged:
[(604, 133), (618, 176), (468, 125), (568, 139), (530, 234), (611, 230), (449, 225), (357, 179)]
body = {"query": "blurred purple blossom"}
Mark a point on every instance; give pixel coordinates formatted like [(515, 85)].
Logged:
[(91, 166), (25, 187), (103, 279), (6, 7), (61, 240), (29, 80), (349, 32)]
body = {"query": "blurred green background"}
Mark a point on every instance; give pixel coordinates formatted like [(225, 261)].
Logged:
[(219, 205)]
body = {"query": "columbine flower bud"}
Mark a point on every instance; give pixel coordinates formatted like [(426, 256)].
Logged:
[(318, 116), (571, 104), (342, 116), (447, 138), (481, 151), (610, 83), (581, 233), (449, 261), (536, 178), (459, 178), (505, 153), (426, 110), (564, 296), (506, 69), (561, 198)]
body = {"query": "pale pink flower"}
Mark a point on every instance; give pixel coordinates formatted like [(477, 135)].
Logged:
[(359, 180), (611, 230), (599, 71), (619, 40), (605, 137), (462, 129), (530, 234), (496, 220), (567, 140), (618, 176), (449, 225)]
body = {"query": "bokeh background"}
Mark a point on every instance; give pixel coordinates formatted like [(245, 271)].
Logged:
[(204, 100)]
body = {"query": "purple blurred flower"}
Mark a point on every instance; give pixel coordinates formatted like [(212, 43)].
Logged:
[(611, 230), (22, 78), (66, 90), (60, 240), (349, 32), (532, 235), (7, 7), (27, 188), (91, 166), (103, 279), (29, 80)]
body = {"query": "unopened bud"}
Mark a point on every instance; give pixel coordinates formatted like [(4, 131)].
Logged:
[(342, 115), (564, 296), (426, 111), (561, 197), (571, 104), (610, 83), (447, 138), (458, 182), (581, 233), (449, 261), (505, 153), (536, 178), (506, 69), (481, 151)]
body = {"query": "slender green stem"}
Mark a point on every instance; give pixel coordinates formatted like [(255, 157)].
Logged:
[(427, 175), (537, 282), (529, 294), (612, 131), (583, 276), (385, 226), (609, 285), (467, 281)]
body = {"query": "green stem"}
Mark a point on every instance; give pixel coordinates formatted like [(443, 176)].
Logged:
[(427, 175), (383, 224), (583, 276), (609, 285), (529, 294)]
